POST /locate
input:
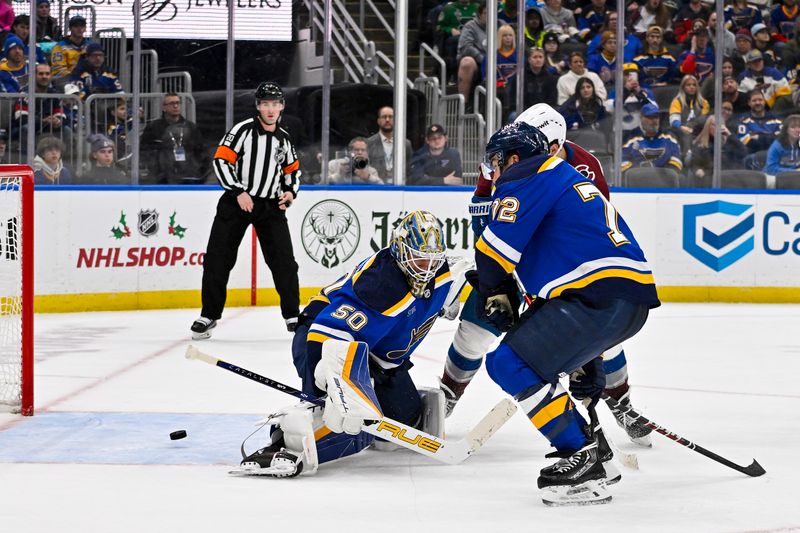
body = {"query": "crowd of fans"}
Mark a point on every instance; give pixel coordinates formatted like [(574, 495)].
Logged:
[(70, 67), (669, 75)]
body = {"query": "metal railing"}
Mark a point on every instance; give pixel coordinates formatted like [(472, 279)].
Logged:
[(86, 12), (424, 50), (430, 88), (174, 82), (149, 68), (473, 143)]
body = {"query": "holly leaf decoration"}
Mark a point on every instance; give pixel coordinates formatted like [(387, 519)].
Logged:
[(179, 231)]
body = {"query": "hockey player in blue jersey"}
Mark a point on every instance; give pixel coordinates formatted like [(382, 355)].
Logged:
[(474, 337), (361, 330), (553, 229)]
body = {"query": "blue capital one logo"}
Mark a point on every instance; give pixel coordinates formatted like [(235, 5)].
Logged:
[(718, 248)]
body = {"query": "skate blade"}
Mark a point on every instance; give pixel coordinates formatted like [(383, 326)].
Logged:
[(201, 336), (588, 493), (613, 475), (644, 442), (253, 469)]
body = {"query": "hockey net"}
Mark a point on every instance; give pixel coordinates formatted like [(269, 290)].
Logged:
[(16, 289)]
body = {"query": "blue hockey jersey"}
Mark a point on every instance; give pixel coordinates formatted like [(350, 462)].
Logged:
[(557, 230), (373, 304)]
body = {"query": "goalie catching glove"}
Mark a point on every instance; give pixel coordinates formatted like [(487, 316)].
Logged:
[(343, 372)]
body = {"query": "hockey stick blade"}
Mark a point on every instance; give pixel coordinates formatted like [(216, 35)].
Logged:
[(753, 470), (445, 450)]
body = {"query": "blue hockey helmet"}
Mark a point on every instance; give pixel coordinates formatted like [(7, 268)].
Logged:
[(418, 247), (516, 138)]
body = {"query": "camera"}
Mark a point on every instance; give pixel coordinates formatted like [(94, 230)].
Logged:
[(358, 163)]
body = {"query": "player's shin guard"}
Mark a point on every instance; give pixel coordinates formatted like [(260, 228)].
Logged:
[(547, 405), (464, 359)]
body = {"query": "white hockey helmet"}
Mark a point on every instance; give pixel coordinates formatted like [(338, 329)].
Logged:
[(548, 121)]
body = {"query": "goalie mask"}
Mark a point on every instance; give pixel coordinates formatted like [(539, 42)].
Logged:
[(418, 248)]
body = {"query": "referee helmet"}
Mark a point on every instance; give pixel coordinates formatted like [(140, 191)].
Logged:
[(269, 91)]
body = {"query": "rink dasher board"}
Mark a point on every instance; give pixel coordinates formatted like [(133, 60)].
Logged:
[(103, 248)]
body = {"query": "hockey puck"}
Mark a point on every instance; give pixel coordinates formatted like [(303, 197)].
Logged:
[(180, 434)]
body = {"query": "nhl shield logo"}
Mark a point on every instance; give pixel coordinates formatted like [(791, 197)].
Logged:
[(280, 155), (330, 233), (148, 222)]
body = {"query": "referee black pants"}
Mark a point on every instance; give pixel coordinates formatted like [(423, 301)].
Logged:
[(227, 231)]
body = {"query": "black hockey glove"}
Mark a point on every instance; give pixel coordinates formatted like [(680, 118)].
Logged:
[(498, 306), (589, 381)]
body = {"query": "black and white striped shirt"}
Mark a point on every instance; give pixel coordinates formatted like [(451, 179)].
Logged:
[(262, 163)]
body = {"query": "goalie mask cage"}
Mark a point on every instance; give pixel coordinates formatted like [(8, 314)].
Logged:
[(16, 289)]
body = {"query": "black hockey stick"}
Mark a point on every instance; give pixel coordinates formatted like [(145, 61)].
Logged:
[(448, 451), (753, 470)]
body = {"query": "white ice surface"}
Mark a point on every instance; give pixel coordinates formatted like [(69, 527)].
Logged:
[(724, 376)]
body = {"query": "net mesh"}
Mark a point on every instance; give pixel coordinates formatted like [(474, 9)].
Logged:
[(10, 293)]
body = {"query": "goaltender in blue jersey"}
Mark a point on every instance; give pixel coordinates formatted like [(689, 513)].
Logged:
[(355, 338), (563, 241)]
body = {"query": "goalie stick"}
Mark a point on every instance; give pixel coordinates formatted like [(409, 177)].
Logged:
[(447, 451), (753, 470)]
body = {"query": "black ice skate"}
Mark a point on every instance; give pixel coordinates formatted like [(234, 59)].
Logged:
[(201, 328), (272, 461), (578, 479), (637, 432)]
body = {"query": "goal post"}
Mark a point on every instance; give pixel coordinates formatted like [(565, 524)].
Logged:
[(16, 289)]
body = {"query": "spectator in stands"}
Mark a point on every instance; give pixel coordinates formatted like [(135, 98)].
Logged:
[(354, 166), (436, 163), (604, 63), (702, 163), (103, 169), (555, 61), (683, 21), (652, 148), (507, 13), (707, 87), (728, 38), (577, 69), (15, 62), (768, 80), (49, 117), (688, 109), (6, 15), (65, 55), (732, 94), (633, 45), (471, 52), (559, 20), (699, 59), (174, 146), (744, 44), (118, 125), (93, 75), (652, 12), (47, 28), (22, 29), (656, 65), (634, 98), (790, 55), (591, 19), (452, 19), (540, 83), (763, 42), (506, 68), (3, 146), (783, 17), (741, 15), (48, 165), (784, 152), (381, 145), (534, 29), (757, 130), (584, 109)]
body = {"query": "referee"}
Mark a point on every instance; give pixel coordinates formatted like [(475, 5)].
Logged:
[(257, 165)]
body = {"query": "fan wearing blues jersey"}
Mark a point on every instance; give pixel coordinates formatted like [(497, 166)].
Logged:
[(566, 244), (354, 341)]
